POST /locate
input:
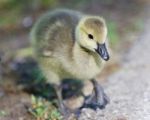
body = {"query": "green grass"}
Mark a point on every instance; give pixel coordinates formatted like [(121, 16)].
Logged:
[(113, 33), (3, 113), (137, 25), (44, 110), (12, 11)]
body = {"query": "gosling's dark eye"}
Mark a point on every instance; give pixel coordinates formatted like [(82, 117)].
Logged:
[(90, 36)]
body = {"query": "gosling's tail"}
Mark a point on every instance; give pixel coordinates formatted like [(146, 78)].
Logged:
[(24, 52), (21, 53)]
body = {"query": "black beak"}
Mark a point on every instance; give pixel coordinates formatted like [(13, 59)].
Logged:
[(102, 51)]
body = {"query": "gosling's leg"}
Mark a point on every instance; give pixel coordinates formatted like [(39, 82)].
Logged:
[(98, 98), (65, 111)]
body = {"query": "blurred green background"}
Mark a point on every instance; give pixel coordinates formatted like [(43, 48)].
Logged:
[(122, 16)]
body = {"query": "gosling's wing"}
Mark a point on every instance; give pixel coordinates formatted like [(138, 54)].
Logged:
[(54, 32)]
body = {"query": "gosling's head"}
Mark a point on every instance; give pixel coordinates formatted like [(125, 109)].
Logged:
[(91, 34)]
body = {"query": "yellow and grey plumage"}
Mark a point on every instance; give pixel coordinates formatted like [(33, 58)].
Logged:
[(70, 44), (57, 49)]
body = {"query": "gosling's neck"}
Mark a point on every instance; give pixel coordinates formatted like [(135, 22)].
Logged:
[(81, 55)]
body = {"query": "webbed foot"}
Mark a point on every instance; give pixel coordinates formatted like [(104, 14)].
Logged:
[(98, 98)]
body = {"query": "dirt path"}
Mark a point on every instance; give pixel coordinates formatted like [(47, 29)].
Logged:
[(129, 89)]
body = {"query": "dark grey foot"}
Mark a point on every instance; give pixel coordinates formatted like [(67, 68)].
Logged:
[(98, 99)]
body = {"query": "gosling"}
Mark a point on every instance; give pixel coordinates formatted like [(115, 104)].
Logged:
[(70, 44)]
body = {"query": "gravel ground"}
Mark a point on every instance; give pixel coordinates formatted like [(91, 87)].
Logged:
[(128, 89)]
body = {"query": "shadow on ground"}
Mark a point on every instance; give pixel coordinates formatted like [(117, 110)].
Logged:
[(33, 81)]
